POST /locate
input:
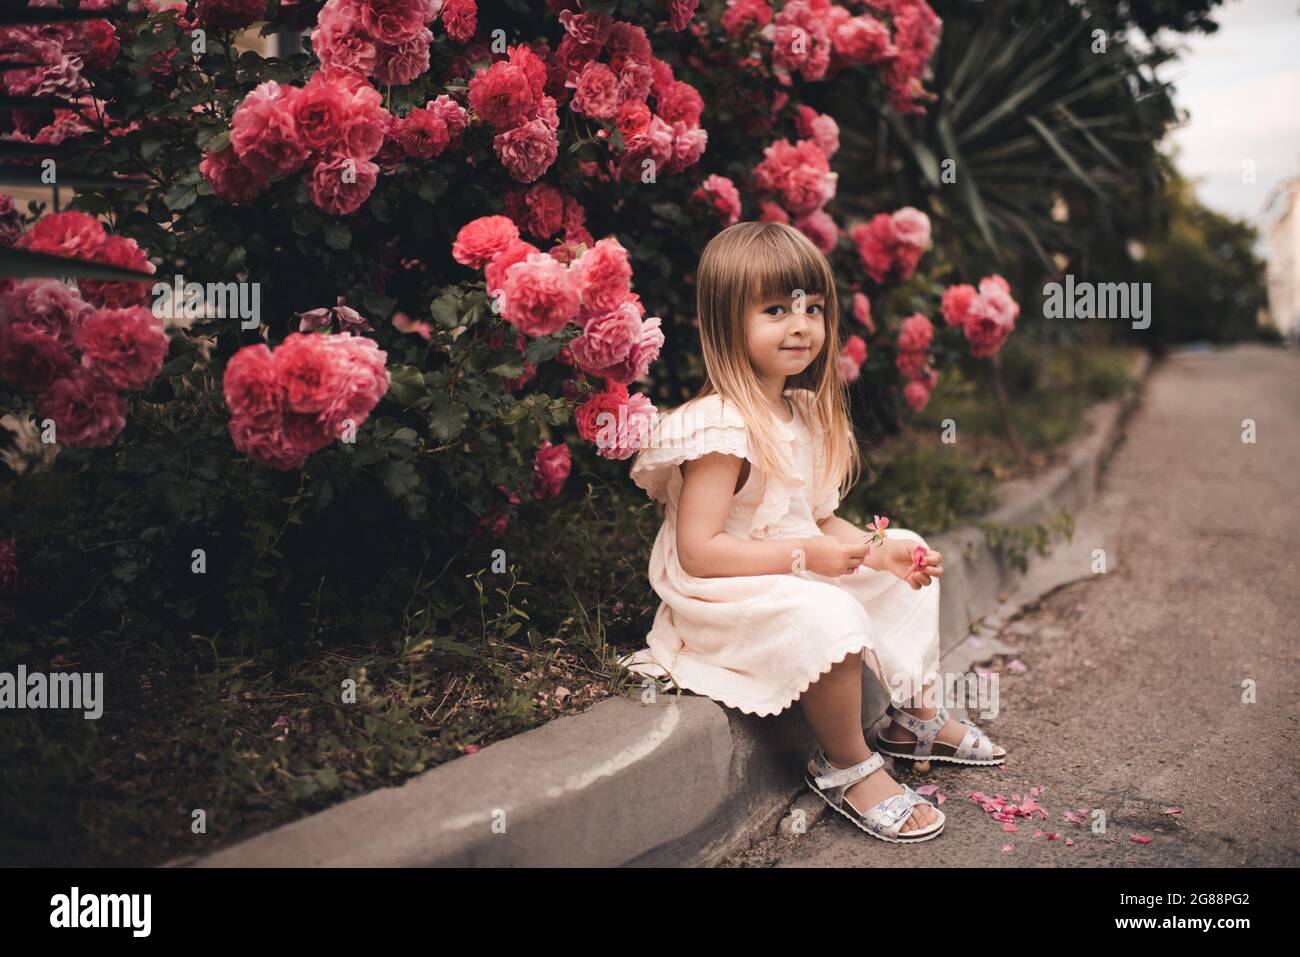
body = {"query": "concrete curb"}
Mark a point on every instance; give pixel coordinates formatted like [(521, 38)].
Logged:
[(679, 780)]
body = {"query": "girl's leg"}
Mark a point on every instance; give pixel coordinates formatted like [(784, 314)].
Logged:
[(833, 707)]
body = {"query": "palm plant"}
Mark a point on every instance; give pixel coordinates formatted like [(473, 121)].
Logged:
[(1033, 110)]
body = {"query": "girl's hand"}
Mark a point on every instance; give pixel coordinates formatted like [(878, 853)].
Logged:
[(900, 558), (832, 557)]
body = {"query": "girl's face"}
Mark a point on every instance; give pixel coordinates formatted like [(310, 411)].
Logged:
[(785, 334)]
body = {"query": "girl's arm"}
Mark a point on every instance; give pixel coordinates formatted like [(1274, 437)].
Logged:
[(704, 550), (846, 531), (894, 555)]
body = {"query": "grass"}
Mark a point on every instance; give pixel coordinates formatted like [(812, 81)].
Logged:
[(931, 485)]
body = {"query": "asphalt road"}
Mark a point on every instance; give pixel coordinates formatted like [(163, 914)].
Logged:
[(1132, 698)]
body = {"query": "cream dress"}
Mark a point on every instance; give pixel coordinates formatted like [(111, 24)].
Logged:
[(756, 642)]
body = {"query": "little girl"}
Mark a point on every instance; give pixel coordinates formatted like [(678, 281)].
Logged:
[(767, 596)]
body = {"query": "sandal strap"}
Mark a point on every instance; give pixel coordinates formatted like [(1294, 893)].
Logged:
[(843, 777), (975, 745), (926, 731), (892, 813)]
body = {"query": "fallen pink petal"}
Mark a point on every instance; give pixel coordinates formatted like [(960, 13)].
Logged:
[(1137, 839)]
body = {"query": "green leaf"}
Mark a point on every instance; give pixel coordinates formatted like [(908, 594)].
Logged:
[(307, 220), (337, 235), (448, 420), (181, 196), (539, 350), (406, 384), (401, 478), (431, 187), (179, 365), (446, 310)]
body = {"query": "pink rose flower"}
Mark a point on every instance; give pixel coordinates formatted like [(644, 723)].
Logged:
[(502, 95), (820, 128), (500, 263), (606, 340), (263, 133), (917, 397), (231, 181), (721, 193), (604, 277), (405, 62), (52, 307), (30, 359), (528, 150), (481, 239), (956, 303), (619, 424), (645, 349), (340, 185), (862, 311), (270, 447), (680, 102), (596, 92), (801, 41), (551, 466), (229, 14), (340, 41), (540, 209), (123, 348), (917, 334), (460, 19), (855, 347), (395, 21), (680, 13), (820, 228), (422, 133), (541, 295), (70, 234), (123, 252), (252, 387), (862, 40), (911, 364), (320, 111), (307, 372), (85, 414)]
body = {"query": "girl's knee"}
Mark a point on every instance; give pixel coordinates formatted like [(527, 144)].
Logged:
[(907, 535)]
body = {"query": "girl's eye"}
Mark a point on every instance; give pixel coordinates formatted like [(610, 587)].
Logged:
[(812, 309)]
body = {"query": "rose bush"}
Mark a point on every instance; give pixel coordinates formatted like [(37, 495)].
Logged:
[(479, 187)]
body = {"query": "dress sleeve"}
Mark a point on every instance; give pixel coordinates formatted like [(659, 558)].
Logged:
[(697, 428), (825, 505)]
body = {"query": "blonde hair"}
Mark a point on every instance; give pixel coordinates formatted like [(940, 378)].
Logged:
[(742, 266)]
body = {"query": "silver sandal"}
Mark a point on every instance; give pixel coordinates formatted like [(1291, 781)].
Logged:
[(887, 818), (975, 747)]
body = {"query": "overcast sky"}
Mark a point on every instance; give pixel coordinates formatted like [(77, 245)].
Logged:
[(1241, 89)]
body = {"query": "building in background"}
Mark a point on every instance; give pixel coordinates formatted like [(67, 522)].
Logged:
[(1284, 259)]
